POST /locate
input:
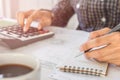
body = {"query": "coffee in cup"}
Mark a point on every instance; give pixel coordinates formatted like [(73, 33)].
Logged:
[(14, 66)]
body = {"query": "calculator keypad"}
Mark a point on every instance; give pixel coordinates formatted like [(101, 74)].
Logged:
[(17, 32)]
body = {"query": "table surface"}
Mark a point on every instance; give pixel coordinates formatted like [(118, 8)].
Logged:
[(49, 51)]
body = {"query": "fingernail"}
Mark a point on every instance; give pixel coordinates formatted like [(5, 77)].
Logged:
[(39, 27), (24, 29), (81, 48)]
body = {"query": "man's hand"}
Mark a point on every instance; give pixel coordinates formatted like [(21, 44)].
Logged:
[(110, 53), (44, 17)]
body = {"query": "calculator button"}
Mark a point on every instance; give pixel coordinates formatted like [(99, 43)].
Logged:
[(41, 32), (31, 34), (16, 31), (46, 31), (4, 28), (36, 33), (25, 35)]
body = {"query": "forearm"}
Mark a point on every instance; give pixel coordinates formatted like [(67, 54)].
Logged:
[(62, 13)]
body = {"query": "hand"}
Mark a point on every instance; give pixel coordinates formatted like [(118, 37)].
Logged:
[(110, 53), (44, 17)]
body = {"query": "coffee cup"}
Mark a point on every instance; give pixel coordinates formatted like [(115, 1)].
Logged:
[(15, 66)]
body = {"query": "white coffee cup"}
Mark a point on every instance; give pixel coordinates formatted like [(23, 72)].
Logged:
[(22, 59)]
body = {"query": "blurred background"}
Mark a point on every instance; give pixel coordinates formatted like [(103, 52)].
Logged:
[(9, 8)]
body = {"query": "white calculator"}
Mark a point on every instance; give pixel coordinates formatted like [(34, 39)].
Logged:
[(17, 38)]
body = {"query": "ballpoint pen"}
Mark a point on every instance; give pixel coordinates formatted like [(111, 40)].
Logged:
[(116, 28)]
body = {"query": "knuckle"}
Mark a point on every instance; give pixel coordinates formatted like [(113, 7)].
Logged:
[(117, 34), (30, 18), (93, 34), (97, 41), (20, 13), (28, 13), (107, 29), (36, 11), (100, 60), (32, 10)]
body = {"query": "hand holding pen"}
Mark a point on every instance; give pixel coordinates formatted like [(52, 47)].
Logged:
[(110, 53)]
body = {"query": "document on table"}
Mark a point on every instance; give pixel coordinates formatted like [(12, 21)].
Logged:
[(66, 43)]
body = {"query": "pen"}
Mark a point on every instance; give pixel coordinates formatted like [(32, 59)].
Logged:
[(116, 28)]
